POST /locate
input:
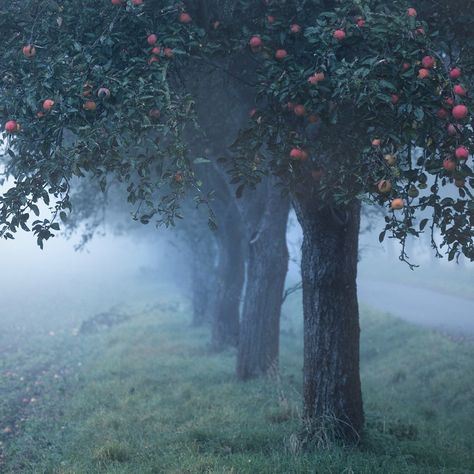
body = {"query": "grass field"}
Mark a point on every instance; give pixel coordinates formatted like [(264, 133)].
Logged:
[(145, 396)]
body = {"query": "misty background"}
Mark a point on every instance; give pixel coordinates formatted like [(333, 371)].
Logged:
[(57, 288)]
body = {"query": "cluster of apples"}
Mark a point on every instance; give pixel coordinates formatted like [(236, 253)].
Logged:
[(459, 112), (384, 186), (48, 104), (298, 154), (152, 41), (12, 126), (339, 34), (157, 51), (90, 105), (256, 42)]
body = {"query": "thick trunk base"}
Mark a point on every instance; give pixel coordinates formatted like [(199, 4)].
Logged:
[(332, 389)]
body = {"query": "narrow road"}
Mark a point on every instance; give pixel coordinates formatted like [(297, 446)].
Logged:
[(451, 314)]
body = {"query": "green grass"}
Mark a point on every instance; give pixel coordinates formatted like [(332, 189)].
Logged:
[(147, 397)]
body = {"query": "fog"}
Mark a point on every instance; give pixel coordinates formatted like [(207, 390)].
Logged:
[(60, 286), (91, 392)]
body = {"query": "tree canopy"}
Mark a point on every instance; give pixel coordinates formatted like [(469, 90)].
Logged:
[(357, 99)]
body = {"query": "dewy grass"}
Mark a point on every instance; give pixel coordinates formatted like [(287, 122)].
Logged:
[(146, 396)]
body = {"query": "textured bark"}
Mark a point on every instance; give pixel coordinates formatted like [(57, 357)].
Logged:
[(267, 266), (230, 280), (225, 87), (332, 390)]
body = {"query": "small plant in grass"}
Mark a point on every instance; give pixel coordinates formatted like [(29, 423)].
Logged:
[(111, 452)]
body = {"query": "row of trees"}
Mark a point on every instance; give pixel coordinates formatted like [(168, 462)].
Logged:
[(244, 106)]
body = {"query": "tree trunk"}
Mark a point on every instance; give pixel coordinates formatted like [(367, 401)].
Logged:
[(230, 277), (203, 281), (267, 266), (332, 390)]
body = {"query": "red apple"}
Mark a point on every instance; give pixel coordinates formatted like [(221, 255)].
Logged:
[(384, 186), (48, 105), (255, 43), (460, 112), (376, 142), (449, 165), (394, 99), (29, 51), (423, 73), (360, 22), (137, 2), (185, 18), (339, 35), (271, 19), (116, 2), (11, 126), (156, 50), (455, 73), (296, 154), (397, 204), (428, 62), (281, 54), (295, 28), (90, 106), (152, 39), (299, 110), (462, 153), (459, 90), (453, 129), (412, 12), (168, 52), (316, 77)]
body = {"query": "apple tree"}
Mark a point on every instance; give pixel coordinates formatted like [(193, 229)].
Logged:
[(358, 102), (352, 101)]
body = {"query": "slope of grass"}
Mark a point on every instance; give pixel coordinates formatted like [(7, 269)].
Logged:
[(149, 398)]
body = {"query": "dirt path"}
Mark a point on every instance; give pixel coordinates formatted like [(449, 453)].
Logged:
[(450, 314)]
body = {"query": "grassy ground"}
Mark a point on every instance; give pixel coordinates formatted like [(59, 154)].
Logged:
[(145, 396)]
